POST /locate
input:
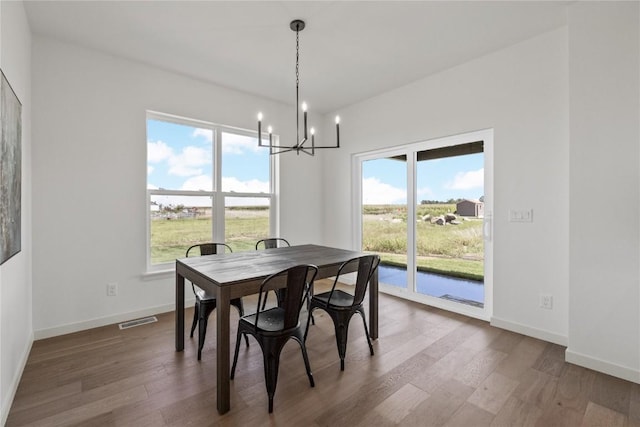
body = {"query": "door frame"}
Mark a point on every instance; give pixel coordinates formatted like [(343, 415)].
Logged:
[(411, 150)]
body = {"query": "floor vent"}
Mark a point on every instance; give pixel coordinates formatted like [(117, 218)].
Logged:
[(132, 323)]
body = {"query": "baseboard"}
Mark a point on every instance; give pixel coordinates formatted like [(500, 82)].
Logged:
[(15, 381), (104, 321), (603, 366), (540, 334)]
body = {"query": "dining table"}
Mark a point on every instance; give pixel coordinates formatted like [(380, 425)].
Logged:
[(237, 274)]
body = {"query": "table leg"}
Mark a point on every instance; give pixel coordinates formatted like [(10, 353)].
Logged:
[(373, 305), (179, 312), (222, 349)]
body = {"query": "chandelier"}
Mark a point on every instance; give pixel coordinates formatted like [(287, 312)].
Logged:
[(303, 145)]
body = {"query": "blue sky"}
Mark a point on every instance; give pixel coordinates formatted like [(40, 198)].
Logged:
[(385, 180), (180, 157)]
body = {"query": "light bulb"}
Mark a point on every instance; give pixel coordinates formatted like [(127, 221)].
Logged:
[(304, 106), (259, 117), (337, 119)]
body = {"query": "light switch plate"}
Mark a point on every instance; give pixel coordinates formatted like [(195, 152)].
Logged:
[(520, 215)]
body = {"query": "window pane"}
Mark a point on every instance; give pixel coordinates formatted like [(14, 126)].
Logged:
[(245, 166), (384, 216), (179, 157), (178, 222), (449, 239), (246, 221)]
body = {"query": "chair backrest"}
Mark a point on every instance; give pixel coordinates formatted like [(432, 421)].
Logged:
[(295, 280), (366, 265), (272, 242), (208, 249)]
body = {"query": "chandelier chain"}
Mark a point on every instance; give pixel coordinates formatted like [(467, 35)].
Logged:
[(297, 83), (297, 58)]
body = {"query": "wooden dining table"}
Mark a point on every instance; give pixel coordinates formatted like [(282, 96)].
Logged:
[(233, 275)]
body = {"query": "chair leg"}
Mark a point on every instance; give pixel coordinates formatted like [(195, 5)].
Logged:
[(305, 357), (202, 332), (235, 356), (306, 329), (342, 332), (240, 306), (308, 299), (195, 319), (271, 365), (366, 330)]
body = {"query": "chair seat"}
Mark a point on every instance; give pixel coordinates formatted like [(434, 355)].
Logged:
[(338, 299), (271, 320)]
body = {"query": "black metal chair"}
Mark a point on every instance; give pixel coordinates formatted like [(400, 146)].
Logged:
[(341, 305), (206, 303), (279, 242), (272, 328), (271, 243)]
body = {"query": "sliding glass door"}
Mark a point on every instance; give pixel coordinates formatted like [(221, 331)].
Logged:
[(425, 208), (449, 221)]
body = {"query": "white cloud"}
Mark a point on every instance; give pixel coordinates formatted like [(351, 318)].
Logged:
[(189, 161), (149, 169), (158, 151), (375, 192), (467, 180), (251, 186), (205, 133), (239, 144), (198, 183)]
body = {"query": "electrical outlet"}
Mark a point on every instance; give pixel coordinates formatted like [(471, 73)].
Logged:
[(112, 289), (546, 301)]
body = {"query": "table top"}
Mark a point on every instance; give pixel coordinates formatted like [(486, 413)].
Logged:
[(229, 268)]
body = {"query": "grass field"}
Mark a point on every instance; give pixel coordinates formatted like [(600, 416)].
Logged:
[(170, 238), (455, 250)]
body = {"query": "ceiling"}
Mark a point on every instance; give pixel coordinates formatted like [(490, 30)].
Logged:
[(349, 50)]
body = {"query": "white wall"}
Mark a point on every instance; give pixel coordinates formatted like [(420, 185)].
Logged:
[(16, 330), (89, 184), (521, 92), (567, 150), (604, 316)]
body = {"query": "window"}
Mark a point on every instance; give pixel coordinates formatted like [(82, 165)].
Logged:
[(205, 182)]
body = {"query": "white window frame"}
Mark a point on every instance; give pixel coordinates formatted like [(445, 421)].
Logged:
[(217, 195), (411, 150)]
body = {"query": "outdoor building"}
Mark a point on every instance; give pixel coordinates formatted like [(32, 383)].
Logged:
[(470, 208)]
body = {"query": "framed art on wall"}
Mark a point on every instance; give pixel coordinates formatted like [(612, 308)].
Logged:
[(10, 171)]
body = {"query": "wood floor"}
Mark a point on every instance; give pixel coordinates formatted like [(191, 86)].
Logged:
[(431, 368)]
